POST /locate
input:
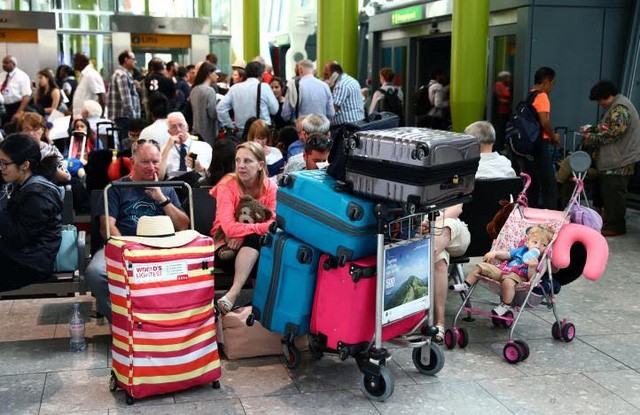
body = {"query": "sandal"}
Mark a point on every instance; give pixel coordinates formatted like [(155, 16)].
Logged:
[(224, 305), (440, 335)]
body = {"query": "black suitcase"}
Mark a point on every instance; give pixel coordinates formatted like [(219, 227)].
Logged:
[(375, 121)]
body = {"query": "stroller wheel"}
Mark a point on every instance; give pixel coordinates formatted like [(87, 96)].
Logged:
[(568, 332), (524, 348), (512, 353), (507, 323), (450, 338), (555, 331), (463, 337), (496, 322)]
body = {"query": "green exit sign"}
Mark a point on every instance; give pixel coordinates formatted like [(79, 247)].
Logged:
[(408, 14)]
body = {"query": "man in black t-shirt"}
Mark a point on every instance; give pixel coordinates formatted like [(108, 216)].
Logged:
[(157, 81)]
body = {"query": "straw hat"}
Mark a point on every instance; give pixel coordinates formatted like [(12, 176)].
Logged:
[(158, 231), (239, 63)]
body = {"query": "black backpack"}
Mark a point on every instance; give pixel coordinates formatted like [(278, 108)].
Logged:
[(390, 102), (523, 130), (420, 101)]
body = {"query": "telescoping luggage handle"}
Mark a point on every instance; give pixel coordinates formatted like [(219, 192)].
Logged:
[(146, 184)]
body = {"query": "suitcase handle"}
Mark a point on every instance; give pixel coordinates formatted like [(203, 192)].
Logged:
[(105, 194)]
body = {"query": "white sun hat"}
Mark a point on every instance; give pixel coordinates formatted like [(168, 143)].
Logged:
[(158, 232)]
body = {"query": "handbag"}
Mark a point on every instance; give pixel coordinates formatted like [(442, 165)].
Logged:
[(67, 257)]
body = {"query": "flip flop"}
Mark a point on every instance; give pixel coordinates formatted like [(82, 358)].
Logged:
[(224, 305)]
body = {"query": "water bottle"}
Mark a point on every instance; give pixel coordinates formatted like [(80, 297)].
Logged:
[(76, 330)]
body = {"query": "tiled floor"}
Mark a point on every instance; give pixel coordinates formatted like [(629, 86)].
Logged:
[(599, 372)]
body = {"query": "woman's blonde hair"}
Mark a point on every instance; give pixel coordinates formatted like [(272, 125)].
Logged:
[(259, 128), (256, 150)]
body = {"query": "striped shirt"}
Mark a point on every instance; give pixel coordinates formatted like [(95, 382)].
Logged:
[(124, 101), (348, 99)]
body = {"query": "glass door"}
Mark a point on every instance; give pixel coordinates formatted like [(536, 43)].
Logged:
[(394, 55)]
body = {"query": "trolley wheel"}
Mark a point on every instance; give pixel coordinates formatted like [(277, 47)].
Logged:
[(512, 353), (378, 387), (568, 332), (555, 331), (463, 337), (250, 320), (524, 348), (450, 338), (436, 360), (507, 323), (113, 382), (129, 399), (215, 384), (314, 347), (291, 355)]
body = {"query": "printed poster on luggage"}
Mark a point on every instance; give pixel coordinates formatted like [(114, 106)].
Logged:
[(406, 279)]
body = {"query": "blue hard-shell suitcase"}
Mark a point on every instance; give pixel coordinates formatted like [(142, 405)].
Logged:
[(337, 223), (286, 281)]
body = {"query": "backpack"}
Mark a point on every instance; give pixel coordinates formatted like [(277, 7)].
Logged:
[(390, 102), (523, 129), (420, 101)]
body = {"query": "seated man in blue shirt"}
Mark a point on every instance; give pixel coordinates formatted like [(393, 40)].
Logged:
[(126, 206), (305, 126)]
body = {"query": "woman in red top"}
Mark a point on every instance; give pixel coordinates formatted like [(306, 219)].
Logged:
[(250, 178)]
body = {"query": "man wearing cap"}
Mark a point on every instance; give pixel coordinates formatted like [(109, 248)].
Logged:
[(245, 101), (126, 206), (15, 87)]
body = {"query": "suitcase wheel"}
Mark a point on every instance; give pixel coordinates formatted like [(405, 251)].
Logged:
[(291, 355), (329, 263), (355, 212), (215, 384), (420, 152), (129, 399), (250, 320), (305, 256), (342, 260), (273, 227), (352, 143), (287, 181), (113, 382)]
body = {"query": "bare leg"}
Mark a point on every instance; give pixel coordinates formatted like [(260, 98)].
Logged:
[(508, 290), (245, 260), (472, 277), (441, 278)]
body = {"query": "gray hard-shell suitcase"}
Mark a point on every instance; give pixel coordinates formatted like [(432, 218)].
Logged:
[(417, 166)]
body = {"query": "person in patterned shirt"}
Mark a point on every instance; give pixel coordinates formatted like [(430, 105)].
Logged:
[(124, 102), (616, 139)]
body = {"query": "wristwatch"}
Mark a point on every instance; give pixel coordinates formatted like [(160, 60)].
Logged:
[(165, 203)]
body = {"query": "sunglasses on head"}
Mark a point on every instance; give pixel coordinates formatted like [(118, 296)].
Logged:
[(321, 143)]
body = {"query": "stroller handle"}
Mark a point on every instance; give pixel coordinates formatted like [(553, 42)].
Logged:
[(579, 184)]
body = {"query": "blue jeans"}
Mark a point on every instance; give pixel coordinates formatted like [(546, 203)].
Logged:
[(96, 277)]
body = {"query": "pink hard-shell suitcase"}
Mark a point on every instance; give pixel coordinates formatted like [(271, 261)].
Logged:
[(344, 306)]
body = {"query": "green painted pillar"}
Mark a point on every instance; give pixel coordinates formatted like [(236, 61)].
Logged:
[(338, 34), (204, 9), (469, 61), (251, 28)]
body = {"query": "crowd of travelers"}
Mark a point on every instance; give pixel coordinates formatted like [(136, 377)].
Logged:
[(237, 134)]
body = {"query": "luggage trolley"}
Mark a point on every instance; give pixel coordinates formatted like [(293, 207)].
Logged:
[(401, 319)]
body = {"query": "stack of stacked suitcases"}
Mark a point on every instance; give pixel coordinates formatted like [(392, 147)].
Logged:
[(317, 270)]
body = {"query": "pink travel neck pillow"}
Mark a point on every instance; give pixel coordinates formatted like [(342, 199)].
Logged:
[(594, 243)]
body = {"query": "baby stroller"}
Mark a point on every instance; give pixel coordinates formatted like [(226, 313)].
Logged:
[(556, 256)]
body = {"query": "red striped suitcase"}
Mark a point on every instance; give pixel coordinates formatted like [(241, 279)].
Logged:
[(164, 329), (344, 306)]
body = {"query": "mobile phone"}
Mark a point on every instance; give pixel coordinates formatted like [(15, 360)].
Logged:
[(193, 156)]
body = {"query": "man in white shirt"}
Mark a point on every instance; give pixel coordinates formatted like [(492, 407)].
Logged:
[(183, 154), (16, 88), (90, 86), (159, 129), (492, 165)]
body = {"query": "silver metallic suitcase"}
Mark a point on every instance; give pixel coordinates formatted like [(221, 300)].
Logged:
[(417, 166)]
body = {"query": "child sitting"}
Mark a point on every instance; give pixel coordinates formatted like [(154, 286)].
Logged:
[(518, 265)]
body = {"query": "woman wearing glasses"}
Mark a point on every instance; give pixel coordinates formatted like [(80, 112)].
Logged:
[(30, 224), (250, 178)]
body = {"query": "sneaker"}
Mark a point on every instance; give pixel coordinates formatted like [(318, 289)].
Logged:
[(440, 335), (461, 287), (501, 310)]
